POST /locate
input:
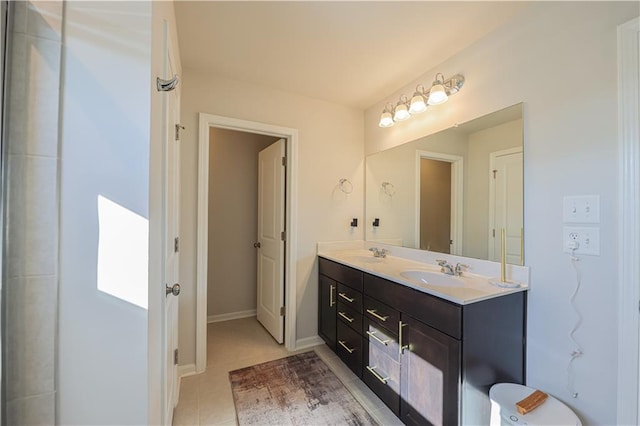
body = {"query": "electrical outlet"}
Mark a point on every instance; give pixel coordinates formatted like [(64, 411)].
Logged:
[(581, 209), (587, 240)]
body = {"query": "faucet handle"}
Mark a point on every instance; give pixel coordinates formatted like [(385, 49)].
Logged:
[(459, 267), (441, 262), (373, 249)]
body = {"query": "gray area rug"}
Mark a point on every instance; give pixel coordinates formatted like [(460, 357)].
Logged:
[(297, 390)]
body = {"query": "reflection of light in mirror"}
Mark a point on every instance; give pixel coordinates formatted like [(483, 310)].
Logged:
[(123, 253)]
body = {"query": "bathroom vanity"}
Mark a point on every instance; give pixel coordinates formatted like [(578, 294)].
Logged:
[(430, 356)]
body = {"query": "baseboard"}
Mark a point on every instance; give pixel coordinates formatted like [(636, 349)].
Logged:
[(308, 342), (186, 370), (231, 316)]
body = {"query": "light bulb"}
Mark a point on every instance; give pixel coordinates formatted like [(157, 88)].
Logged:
[(437, 94), (401, 112), (417, 104), (385, 119)]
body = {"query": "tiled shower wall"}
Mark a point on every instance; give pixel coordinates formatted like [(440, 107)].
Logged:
[(31, 246)]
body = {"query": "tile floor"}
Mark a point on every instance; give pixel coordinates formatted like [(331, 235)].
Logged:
[(205, 399)]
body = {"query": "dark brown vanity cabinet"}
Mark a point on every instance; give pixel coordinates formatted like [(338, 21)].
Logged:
[(429, 360), (342, 304)]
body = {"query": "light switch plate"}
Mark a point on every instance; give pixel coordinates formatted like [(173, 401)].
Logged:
[(581, 209)]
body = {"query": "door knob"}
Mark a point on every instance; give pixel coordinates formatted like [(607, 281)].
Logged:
[(256, 245), (175, 289)]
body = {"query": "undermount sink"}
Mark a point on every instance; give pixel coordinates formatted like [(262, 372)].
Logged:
[(432, 278), (363, 259)]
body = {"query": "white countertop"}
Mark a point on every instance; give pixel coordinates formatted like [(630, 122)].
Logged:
[(474, 287)]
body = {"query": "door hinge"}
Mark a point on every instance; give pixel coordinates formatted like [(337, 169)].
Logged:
[(494, 233), (494, 173), (283, 235), (176, 244), (282, 311), (178, 128), (284, 161), (175, 356)]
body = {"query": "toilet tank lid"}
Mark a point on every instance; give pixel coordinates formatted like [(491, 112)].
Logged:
[(551, 412)]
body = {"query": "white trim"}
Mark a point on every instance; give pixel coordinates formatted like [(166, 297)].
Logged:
[(186, 370), (629, 221), (309, 342), (231, 316), (291, 224), (457, 200)]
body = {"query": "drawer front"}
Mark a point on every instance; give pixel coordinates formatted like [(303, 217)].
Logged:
[(350, 317), (349, 348), (381, 314), (382, 339), (382, 374), (350, 297), (343, 274), (431, 310)]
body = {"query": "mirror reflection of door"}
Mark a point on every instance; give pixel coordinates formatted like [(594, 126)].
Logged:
[(505, 204), (435, 205)]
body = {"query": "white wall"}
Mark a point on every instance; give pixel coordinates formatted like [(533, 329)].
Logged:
[(233, 220), (560, 60), (110, 114), (330, 148)]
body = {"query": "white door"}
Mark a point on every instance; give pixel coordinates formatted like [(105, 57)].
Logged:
[(505, 208), (171, 255), (271, 195)]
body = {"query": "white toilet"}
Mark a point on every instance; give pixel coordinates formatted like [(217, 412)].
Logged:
[(503, 408)]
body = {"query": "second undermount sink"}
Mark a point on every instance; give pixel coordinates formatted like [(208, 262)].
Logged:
[(432, 278)]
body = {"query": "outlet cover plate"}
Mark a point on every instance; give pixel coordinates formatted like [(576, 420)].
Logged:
[(588, 239)]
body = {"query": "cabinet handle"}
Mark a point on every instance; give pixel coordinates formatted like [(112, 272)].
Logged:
[(401, 347), (343, 315), (342, 343), (373, 312), (376, 375), (373, 335), (345, 297), (332, 302)]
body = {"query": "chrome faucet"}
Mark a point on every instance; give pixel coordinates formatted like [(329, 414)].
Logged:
[(379, 252), (449, 269), (446, 267)]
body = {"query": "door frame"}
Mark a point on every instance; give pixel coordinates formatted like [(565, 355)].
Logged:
[(457, 193), (492, 197), (628, 221), (207, 121)]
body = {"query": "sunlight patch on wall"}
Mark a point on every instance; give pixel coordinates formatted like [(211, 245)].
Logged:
[(123, 253)]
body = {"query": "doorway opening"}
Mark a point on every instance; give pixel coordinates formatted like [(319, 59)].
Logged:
[(439, 192), (209, 196)]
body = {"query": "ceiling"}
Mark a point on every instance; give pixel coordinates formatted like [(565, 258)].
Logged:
[(350, 53)]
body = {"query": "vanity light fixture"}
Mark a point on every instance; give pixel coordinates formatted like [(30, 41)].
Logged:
[(386, 119), (401, 111), (438, 94), (418, 103)]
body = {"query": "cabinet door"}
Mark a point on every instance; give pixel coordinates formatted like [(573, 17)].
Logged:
[(327, 311), (430, 375)]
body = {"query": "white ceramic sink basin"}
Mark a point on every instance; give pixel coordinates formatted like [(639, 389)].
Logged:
[(432, 278), (362, 259)]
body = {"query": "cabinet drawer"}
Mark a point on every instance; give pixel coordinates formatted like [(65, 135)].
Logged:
[(385, 341), (350, 297), (350, 317), (381, 314), (343, 274), (431, 310), (349, 348), (382, 374)]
